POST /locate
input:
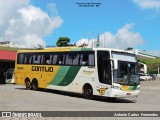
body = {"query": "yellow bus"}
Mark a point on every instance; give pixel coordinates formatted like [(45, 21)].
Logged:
[(89, 71)]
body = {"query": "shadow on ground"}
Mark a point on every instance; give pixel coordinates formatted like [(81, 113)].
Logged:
[(76, 95)]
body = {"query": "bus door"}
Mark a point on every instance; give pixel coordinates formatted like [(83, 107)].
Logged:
[(104, 68)]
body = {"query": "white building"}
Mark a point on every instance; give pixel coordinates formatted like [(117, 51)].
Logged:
[(8, 44)]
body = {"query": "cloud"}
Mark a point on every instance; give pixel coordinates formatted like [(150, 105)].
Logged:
[(9, 8), (82, 41), (26, 24), (148, 4), (121, 40)]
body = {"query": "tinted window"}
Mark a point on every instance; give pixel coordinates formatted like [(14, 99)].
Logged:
[(81, 58)]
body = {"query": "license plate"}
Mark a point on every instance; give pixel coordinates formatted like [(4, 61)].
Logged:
[(128, 93)]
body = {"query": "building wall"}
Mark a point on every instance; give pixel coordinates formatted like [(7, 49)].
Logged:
[(7, 60)]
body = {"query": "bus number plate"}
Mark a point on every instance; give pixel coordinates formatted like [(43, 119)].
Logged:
[(128, 93)]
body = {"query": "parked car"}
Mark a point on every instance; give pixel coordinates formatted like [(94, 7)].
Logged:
[(145, 77), (153, 76), (9, 76)]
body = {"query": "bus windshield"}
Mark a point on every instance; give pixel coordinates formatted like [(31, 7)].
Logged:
[(127, 72)]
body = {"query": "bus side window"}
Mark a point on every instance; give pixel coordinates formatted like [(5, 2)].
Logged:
[(26, 58), (69, 59), (55, 57), (34, 59), (47, 61), (80, 59), (42, 59), (50, 59), (21, 58), (30, 59), (60, 59), (85, 60), (76, 59), (38, 60), (91, 59)]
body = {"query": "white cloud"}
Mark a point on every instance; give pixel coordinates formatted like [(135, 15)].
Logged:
[(147, 4), (121, 40), (82, 41), (51, 8), (25, 24), (9, 8)]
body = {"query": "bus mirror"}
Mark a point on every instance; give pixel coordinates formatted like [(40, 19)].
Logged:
[(5, 73), (115, 63)]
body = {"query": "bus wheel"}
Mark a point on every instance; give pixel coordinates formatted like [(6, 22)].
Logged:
[(35, 84), (88, 92), (28, 84)]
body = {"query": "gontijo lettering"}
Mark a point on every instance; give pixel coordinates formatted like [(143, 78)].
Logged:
[(42, 69)]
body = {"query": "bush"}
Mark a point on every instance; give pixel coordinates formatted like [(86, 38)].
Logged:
[(153, 72)]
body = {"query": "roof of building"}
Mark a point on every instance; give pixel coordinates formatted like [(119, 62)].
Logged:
[(141, 54), (7, 55), (10, 48)]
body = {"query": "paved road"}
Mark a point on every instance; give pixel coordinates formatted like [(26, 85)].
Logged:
[(17, 98)]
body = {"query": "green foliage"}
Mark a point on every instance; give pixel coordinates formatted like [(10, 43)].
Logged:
[(129, 48), (153, 72), (63, 41)]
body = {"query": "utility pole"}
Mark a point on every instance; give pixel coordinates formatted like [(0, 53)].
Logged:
[(104, 41)]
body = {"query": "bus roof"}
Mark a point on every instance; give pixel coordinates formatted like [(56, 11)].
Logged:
[(59, 49), (62, 49)]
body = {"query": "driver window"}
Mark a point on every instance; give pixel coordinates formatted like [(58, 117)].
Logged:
[(104, 67)]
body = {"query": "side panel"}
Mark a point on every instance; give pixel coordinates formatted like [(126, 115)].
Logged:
[(65, 75), (74, 79), (44, 74)]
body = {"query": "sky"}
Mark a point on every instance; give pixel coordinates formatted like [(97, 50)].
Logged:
[(118, 23)]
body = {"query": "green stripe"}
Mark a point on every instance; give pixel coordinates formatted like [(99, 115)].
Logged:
[(71, 74), (60, 75), (133, 88), (81, 49), (65, 75)]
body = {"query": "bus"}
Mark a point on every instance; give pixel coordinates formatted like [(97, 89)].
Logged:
[(143, 72), (90, 71), (142, 68), (9, 76)]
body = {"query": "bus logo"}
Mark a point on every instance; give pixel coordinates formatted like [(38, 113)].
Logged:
[(102, 91), (42, 69)]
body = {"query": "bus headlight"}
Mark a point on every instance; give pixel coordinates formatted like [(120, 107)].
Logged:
[(116, 87), (138, 88)]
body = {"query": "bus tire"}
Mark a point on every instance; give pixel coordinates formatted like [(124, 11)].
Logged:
[(28, 84), (34, 84), (88, 92)]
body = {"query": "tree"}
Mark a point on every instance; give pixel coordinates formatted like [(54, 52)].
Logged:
[(129, 48), (63, 41)]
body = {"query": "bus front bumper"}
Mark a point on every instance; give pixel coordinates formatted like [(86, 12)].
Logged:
[(124, 94)]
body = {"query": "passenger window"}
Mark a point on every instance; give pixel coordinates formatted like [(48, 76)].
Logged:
[(60, 59)]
